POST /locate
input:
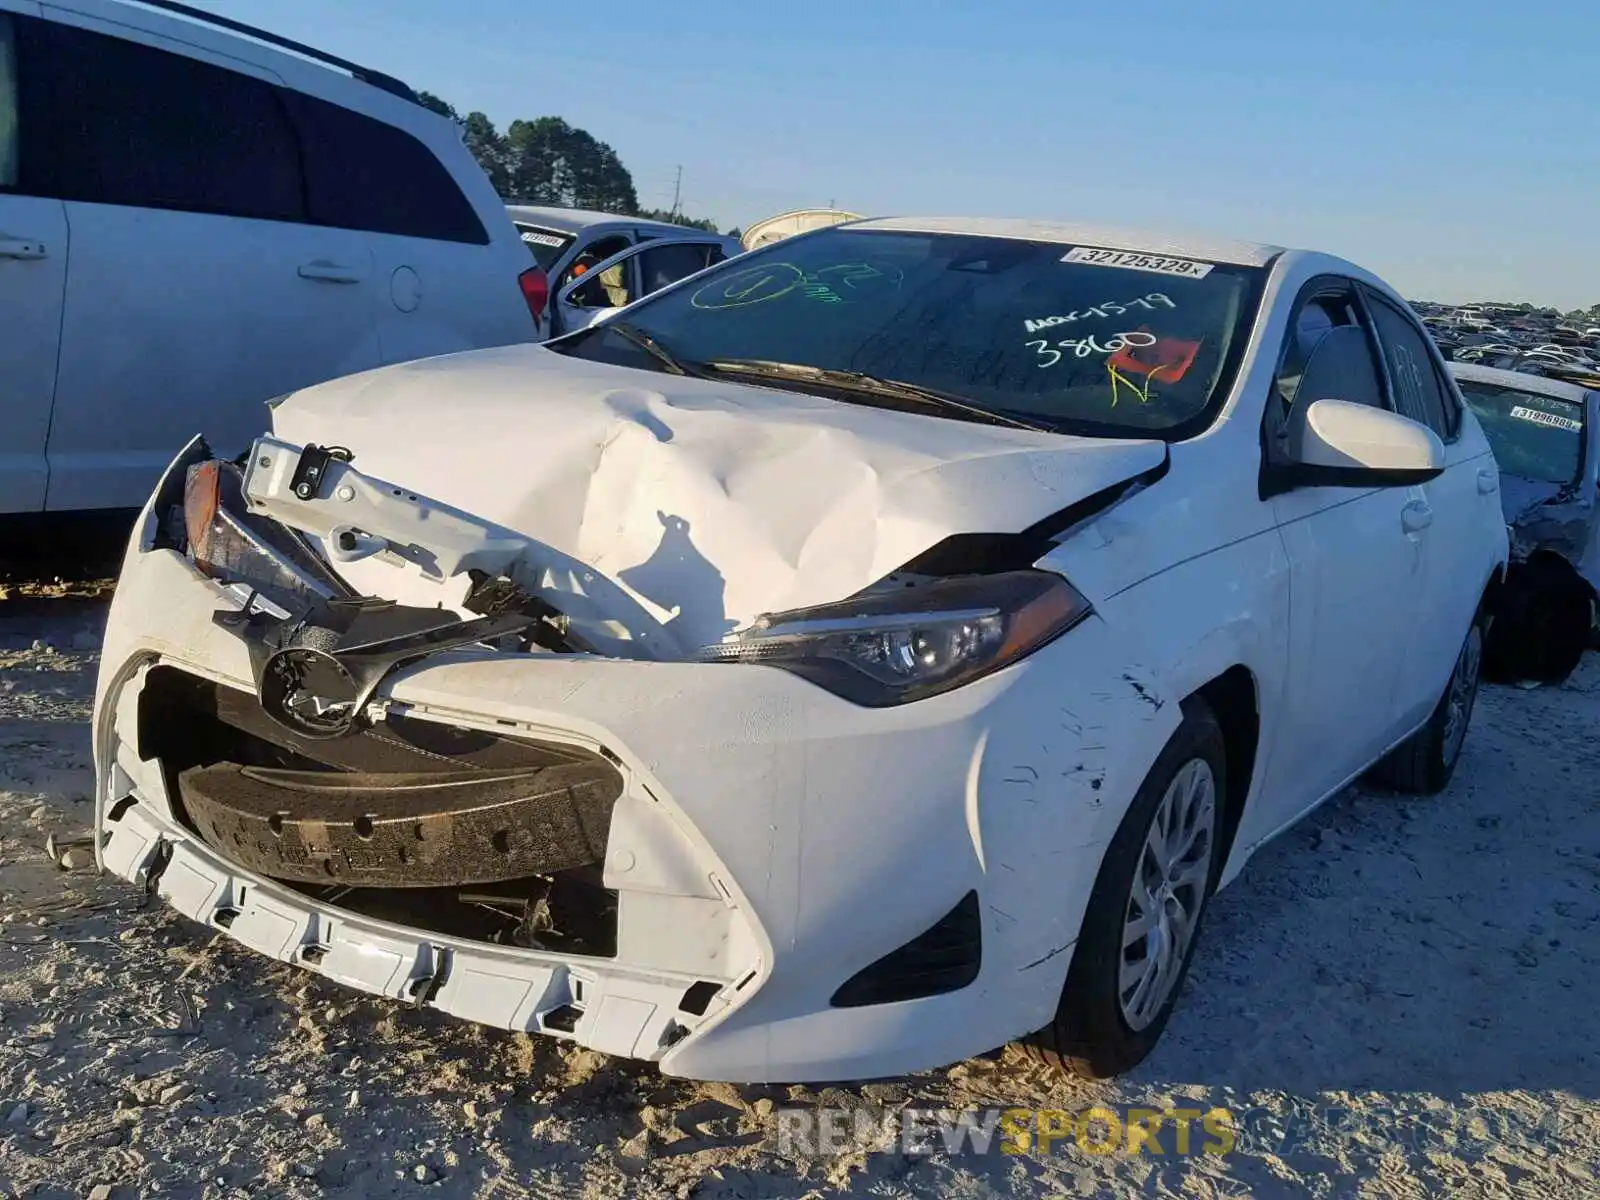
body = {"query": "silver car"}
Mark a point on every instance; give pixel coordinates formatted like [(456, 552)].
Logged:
[(595, 262), (1546, 439)]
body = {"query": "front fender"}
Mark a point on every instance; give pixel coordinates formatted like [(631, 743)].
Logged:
[(1190, 624)]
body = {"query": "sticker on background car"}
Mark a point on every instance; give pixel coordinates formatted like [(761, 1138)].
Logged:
[(1546, 418)]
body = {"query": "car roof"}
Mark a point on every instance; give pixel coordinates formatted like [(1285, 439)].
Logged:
[(1521, 381), (295, 63), (574, 220), (1144, 241)]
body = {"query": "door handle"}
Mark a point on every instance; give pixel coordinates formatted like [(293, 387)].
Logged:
[(23, 248), (1488, 481), (1416, 516), (328, 272)]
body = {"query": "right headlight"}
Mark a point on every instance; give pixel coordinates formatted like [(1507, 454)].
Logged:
[(895, 646), (233, 545)]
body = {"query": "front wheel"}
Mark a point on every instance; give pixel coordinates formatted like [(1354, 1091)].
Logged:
[(1143, 917), (1423, 763)]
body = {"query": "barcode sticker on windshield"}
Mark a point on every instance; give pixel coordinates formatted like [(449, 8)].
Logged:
[(540, 239), (1544, 418), (1187, 268)]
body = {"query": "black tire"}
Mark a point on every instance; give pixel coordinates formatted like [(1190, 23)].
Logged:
[(1089, 1036), (1423, 764), (1543, 622)]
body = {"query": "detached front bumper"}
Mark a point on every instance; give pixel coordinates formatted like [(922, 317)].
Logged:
[(769, 842)]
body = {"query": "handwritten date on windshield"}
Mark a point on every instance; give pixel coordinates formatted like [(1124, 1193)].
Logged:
[(1106, 308)]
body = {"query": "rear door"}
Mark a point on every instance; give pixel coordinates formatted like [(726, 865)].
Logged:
[(445, 280), (1463, 505), (33, 274), (198, 290), (634, 274)]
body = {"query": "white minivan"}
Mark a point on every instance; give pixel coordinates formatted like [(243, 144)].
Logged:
[(196, 217)]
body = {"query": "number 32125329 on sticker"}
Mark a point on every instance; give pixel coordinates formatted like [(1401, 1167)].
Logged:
[(1187, 268)]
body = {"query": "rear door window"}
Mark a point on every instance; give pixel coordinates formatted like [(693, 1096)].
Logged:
[(112, 121), (9, 133), (364, 174), (1414, 382)]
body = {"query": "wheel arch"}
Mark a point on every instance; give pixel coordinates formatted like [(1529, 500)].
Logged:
[(1492, 589), (1235, 700), (1546, 559)]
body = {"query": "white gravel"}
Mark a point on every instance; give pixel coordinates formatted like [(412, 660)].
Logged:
[(1397, 999)]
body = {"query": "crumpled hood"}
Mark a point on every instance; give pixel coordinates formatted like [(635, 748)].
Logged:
[(718, 500)]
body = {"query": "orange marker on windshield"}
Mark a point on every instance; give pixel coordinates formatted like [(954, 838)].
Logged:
[(1167, 361)]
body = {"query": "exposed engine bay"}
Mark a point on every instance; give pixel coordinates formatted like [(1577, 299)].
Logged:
[(453, 830)]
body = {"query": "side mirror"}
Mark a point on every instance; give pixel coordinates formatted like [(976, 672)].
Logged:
[(1343, 444)]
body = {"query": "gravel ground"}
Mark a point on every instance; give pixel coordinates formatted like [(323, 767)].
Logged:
[(1396, 999)]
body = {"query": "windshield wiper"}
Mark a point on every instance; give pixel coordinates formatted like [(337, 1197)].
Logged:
[(860, 381), (651, 346)]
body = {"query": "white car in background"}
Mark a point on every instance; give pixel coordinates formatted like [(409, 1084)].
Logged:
[(597, 262), (306, 218), (788, 224), (864, 653)]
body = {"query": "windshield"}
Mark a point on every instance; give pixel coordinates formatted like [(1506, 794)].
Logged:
[(546, 245), (1533, 436), (1078, 339)]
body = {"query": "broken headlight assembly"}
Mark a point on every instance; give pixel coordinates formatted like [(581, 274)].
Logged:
[(889, 647), (231, 545), (318, 651)]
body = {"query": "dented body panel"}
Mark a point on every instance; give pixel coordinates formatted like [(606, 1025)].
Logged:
[(1563, 520), (1561, 517), (1546, 438), (766, 786), (705, 502)]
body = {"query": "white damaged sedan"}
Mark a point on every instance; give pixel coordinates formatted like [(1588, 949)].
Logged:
[(855, 657)]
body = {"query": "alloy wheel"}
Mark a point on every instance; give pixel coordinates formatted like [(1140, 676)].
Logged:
[(1169, 888), (1462, 693)]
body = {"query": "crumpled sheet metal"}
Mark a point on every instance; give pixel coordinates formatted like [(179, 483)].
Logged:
[(713, 502), (1545, 516)]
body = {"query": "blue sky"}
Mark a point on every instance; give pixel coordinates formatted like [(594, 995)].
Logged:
[(1452, 148)]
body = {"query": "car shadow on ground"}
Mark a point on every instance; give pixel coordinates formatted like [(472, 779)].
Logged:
[(1400, 944)]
